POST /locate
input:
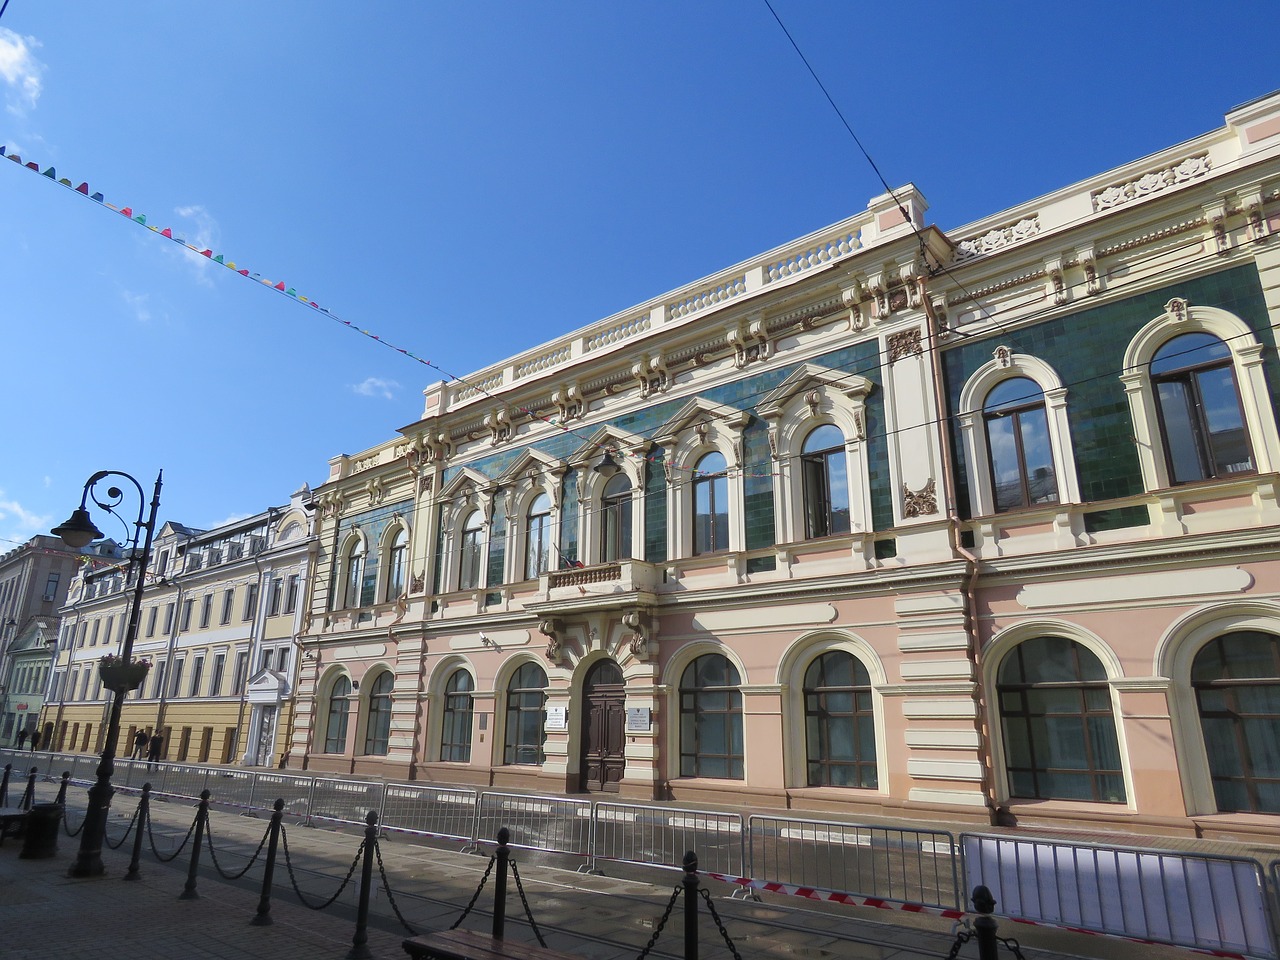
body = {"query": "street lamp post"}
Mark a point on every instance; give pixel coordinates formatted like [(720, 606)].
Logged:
[(78, 531)]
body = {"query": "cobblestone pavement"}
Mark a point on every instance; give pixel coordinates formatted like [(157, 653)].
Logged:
[(43, 913)]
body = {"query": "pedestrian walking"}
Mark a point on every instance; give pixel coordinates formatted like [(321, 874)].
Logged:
[(140, 741), (155, 747), (35, 740), (22, 738)]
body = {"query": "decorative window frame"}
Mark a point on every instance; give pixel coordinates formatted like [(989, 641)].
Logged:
[(1006, 365), (385, 546), (533, 472), (993, 655), (628, 451), (365, 694), (434, 725), (324, 691), (792, 666), (468, 491), (811, 397), (355, 538), (502, 695), (670, 682), (1246, 360), (1174, 656), (701, 427)]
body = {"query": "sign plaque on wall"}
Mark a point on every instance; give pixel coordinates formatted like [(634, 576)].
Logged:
[(557, 718), (638, 720)]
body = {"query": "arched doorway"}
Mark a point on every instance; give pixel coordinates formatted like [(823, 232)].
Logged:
[(603, 729)]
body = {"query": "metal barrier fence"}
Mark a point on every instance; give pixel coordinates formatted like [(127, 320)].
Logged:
[(1191, 900), (446, 813), (913, 866), (550, 824), (659, 837)]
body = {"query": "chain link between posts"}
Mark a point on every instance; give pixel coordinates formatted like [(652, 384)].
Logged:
[(662, 922), (66, 824), (213, 855), (284, 842), (182, 846), (386, 885), (476, 896), (711, 907), (525, 900), (127, 830)]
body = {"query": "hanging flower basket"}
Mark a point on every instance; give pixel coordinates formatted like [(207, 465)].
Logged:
[(120, 675)]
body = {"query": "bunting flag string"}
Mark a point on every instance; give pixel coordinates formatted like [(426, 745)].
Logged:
[(292, 293)]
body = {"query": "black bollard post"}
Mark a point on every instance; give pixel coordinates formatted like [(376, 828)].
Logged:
[(263, 917), (690, 906), (29, 795), (144, 812), (500, 883), (984, 926), (62, 787), (202, 817), (360, 942), (4, 785)]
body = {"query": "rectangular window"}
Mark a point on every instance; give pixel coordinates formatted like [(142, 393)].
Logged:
[(93, 637), (277, 595), (158, 688), (242, 665), (282, 660), (227, 599), (206, 610), (85, 677), (250, 601), (197, 668), (151, 621), (84, 626), (264, 660), (291, 596), (215, 680), (175, 685), (51, 586), (187, 604), (163, 566), (168, 618)]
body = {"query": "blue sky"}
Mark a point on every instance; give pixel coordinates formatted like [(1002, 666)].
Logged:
[(467, 180)]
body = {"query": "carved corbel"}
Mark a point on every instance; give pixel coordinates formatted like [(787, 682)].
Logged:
[(568, 401), (553, 629), (1088, 260), (879, 295), (851, 297), (639, 626), (499, 426), (1056, 285), (750, 342), (1254, 215), (651, 373), (1215, 214), (910, 275)]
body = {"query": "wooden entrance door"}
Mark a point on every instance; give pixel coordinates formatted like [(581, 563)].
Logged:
[(603, 729)]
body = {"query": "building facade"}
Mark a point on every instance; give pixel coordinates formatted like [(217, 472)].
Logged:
[(34, 578), (220, 613), (976, 524)]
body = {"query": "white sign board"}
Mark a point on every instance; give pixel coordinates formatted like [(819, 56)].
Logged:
[(557, 718)]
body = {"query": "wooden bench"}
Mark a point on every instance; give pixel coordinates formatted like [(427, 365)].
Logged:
[(469, 945), (11, 818)]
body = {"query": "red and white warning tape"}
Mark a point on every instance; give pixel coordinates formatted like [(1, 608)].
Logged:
[(831, 896)]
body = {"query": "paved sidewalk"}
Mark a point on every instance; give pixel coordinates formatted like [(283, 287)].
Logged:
[(45, 914)]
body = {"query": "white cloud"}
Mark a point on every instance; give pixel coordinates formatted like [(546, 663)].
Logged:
[(18, 523), (139, 303), (200, 231), (21, 71), (234, 518), (376, 387)]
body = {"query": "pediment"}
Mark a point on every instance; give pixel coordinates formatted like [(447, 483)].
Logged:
[(806, 377), (609, 436), (267, 686), (534, 460), (466, 477), (700, 410)]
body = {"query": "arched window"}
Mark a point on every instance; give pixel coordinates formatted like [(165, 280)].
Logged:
[(472, 556), (335, 728), (455, 731), (538, 542), (615, 519), (397, 558), (1018, 445), (711, 504), (711, 719), (840, 730), (378, 729), (526, 706), (355, 574), (826, 482), (1198, 406), (1237, 682), (1058, 723)]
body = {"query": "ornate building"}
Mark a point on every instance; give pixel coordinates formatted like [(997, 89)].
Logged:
[(974, 524)]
